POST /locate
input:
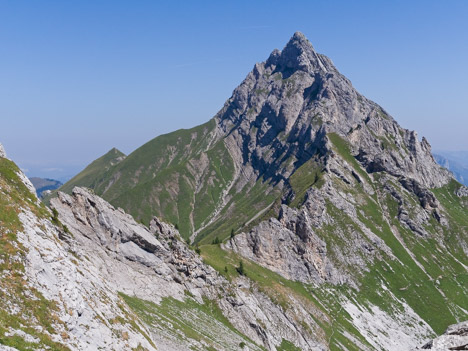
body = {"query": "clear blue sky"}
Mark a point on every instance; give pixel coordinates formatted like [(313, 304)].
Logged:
[(80, 77)]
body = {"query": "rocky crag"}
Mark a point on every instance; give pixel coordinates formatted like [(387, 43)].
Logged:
[(454, 338)]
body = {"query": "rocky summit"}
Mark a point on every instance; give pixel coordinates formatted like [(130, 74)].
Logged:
[(300, 217)]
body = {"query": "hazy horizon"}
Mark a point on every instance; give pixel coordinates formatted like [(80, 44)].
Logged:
[(79, 79)]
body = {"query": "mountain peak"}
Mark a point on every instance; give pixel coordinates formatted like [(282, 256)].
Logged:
[(299, 54), (299, 40)]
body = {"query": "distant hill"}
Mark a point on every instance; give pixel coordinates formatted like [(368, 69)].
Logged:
[(95, 170), (456, 162), (92, 173), (44, 184)]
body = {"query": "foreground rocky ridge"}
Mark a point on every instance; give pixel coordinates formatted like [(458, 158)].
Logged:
[(137, 264)]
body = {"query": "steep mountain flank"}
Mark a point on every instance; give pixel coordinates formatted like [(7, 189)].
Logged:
[(243, 162), (86, 276)]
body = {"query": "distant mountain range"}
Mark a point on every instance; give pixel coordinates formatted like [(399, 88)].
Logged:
[(43, 184), (456, 162)]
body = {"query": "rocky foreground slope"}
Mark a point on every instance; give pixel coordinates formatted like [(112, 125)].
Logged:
[(454, 338)]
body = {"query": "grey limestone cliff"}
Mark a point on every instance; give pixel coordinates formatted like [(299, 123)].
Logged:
[(282, 113)]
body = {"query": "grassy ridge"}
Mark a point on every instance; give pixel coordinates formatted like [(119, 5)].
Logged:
[(92, 174), (179, 177)]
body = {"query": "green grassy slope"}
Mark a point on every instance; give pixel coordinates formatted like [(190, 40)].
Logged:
[(93, 173), (429, 273), (179, 177), (188, 321)]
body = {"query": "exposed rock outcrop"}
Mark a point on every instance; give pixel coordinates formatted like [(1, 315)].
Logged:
[(288, 104), (2, 151), (454, 338), (155, 264), (289, 246)]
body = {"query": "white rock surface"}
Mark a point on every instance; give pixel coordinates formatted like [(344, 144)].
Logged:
[(454, 338), (86, 301), (2, 151), (397, 332)]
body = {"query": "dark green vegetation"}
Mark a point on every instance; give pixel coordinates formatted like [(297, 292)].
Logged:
[(31, 308), (287, 346), (306, 176), (243, 207)]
